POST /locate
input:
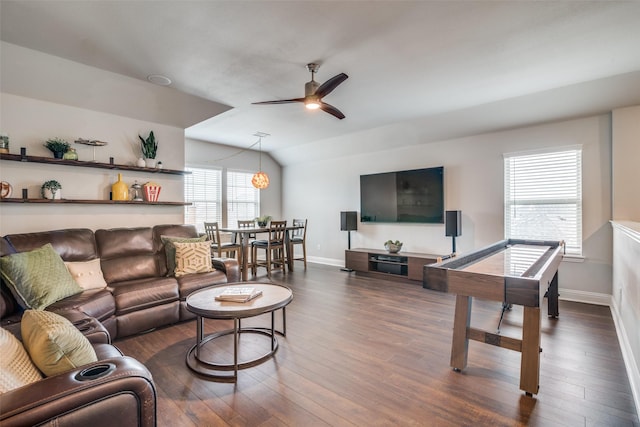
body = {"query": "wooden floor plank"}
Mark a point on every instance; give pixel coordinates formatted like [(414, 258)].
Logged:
[(364, 351)]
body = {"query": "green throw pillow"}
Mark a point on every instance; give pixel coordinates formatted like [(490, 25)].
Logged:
[(38, 278), (53, 343), (170, 249)]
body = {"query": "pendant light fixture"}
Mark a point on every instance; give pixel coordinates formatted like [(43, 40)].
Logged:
[(260, 180)]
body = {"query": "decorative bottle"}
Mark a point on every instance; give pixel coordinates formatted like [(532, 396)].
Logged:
[(70, 154), (119, 190)]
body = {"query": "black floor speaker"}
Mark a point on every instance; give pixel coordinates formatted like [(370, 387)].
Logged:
[(453, 223)]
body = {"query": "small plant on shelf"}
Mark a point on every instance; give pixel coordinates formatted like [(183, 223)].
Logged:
[(393, 247), (58, 147), (149, 146), (50, 188)]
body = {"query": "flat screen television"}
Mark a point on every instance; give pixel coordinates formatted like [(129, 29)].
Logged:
[(414, 196)]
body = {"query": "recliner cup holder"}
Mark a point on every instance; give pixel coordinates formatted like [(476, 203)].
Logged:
[(95, 372)]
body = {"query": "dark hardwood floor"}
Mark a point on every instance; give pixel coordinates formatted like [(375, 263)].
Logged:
[(371, 352)]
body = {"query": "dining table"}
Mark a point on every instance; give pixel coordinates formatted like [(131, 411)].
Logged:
[(245, 235)]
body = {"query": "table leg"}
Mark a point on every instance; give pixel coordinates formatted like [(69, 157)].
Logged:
[(530, 362), (273, 329), (288, 250), (244, 243), (199, 334), (552, 297), (236, 328), (460, 342)]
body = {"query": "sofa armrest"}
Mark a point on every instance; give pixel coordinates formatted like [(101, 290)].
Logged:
[(89, 326), (229, 266), (90, 395)]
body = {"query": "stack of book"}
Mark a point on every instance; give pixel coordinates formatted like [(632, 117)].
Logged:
[(239, 294)]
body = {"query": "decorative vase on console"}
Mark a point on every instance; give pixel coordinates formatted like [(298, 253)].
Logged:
[(141, 163), (393, 247)]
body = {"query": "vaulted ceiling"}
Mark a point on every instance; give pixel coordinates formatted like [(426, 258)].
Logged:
[(452, 68)]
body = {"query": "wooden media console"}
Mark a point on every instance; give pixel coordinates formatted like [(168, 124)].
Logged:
[(406, 266)]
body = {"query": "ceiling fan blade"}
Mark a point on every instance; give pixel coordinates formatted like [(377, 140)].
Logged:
[(283, 101), (328, 108), (328, 86)]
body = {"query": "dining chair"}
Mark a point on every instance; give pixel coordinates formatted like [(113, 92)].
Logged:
[(299, 237), (231, 249), (274, 247)]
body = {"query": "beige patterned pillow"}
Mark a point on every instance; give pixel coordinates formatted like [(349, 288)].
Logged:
[(170, 249), (193, 258), (87, 274), (16, 369), (53, 343)]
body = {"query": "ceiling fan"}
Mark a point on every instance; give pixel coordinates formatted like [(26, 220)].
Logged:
[(314, 92)]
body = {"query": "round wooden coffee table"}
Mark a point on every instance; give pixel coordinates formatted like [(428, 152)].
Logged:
[(204, 305)]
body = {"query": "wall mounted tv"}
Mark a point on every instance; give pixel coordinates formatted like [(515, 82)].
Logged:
[(414, 196)]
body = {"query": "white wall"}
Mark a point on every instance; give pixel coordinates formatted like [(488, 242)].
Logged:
[(30, 122), (43, 96), (473, 184), (626, 158), (626, 242), (205, 154)]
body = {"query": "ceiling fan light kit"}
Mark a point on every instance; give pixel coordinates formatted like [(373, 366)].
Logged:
[(314, 92)]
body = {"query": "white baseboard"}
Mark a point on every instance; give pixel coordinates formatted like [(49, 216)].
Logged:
[(632, 365), (585, 297)]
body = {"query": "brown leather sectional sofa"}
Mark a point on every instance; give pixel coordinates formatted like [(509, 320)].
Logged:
[(139, 297)]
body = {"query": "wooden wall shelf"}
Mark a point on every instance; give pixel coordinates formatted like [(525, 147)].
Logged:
[(93, 202), (81, 163)]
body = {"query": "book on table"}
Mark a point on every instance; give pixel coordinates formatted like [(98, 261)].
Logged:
[(239, 294)]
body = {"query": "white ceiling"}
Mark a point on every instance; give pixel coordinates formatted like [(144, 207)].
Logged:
[(447, 68)]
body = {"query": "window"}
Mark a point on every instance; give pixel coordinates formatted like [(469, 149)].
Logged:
[(543, 197), (203, 188), (243, 199)]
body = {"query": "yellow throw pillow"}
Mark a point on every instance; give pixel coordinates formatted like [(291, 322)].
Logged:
[(193, 258), (53, 343), (87, 274), (16, 369)]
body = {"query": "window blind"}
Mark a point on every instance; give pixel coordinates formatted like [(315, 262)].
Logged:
[(243, 199), (543, 197), (203, 188)]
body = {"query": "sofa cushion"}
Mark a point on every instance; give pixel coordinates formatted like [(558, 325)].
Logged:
[(73, 244), (98, 303), (127, 254), (87, 274), (38, 278), (53, 343), (16, 368), (170, 249), (192, 258), (193, 282), (145, 293)]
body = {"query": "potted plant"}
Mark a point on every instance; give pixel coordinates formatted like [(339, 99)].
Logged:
[(149, 148), (393, 247), (58, 147), (263, 220), (51, 190)]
